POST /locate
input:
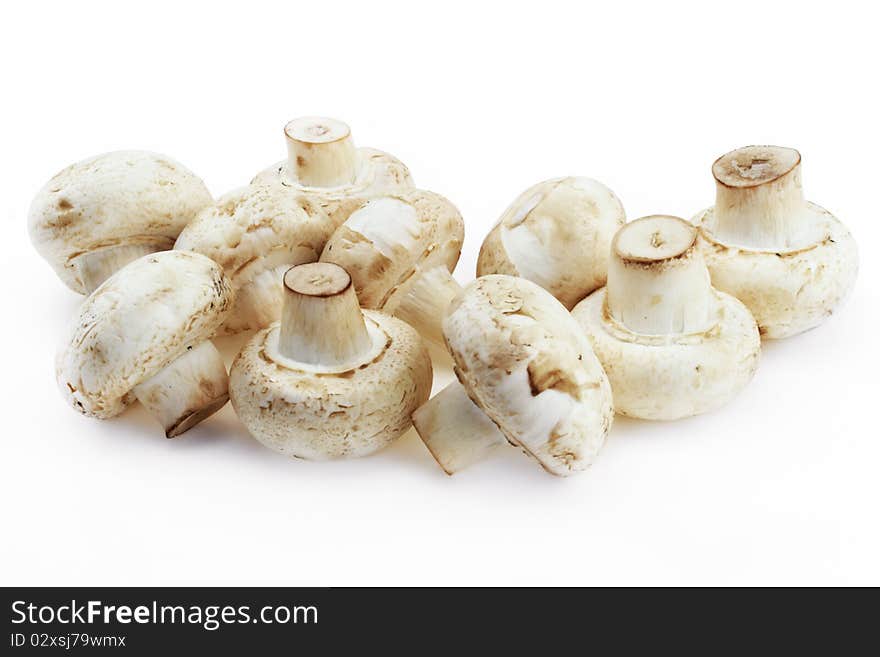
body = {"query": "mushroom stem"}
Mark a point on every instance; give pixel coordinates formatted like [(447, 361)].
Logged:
[(320, 152), (455, 430), (657, 280), (424, 305), (95, 267), (187, 391), (759, 201), (321, 323)]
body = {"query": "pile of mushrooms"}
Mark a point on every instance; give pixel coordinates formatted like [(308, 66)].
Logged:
[(344, 270)]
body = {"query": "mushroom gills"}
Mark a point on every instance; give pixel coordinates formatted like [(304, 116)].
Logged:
[(191, 388), (455, 430), (95, 267)]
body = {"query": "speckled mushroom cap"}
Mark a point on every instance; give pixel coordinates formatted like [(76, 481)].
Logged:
[(135, 324), (256, 233), (556, 234), (527, 364), (132, 202), (315, 412), (375, 173), (389, 239), (790, 261), (705, 347)]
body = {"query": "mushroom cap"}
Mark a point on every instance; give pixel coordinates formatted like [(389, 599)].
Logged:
[(115, 199), (135, 324), (377, 173), (528, 365), (787, 292), (666, 377), (256, 233), (556, 234), (389, 239), (313, 412)]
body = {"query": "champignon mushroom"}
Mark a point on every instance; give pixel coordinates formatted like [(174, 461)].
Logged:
[(672, 346), (790, 261), (526, 373), (98, 215), (256, 233), (400, 250), (324, 165), (556, 234), (329, 380), (145, 334)]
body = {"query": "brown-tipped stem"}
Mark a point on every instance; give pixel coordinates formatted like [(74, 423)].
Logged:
[(759, 201), (455, 430), (186, 391), (320, 152), (321, 323), (95, 267), (424, 305), (657, 280)]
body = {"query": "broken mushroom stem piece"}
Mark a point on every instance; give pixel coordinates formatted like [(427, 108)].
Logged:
[(321, 152), (187, 391), (321, 322)]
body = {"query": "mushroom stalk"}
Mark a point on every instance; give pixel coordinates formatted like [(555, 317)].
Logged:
[(759, 200), (321, 152), (455, 430), (321, 323), (187, 391), (657, 280), (424, 305), (95, 267)]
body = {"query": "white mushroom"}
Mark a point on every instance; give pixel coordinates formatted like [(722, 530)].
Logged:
[(145, 334), (323, 164), (329, 380), (672, 346), (526, 373), (790, 261), (257, 233), (400, 251), (556, 234), (100, 214)]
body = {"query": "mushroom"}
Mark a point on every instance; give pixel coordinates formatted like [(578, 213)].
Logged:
[(324, 165), (672, 346), (526, 375), (556, 234), (98, 215), (400, 250), (329, 380), (790, 261), (144, 334), (256, 233)]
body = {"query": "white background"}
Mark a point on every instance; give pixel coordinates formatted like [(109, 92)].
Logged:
[(481, 101)]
